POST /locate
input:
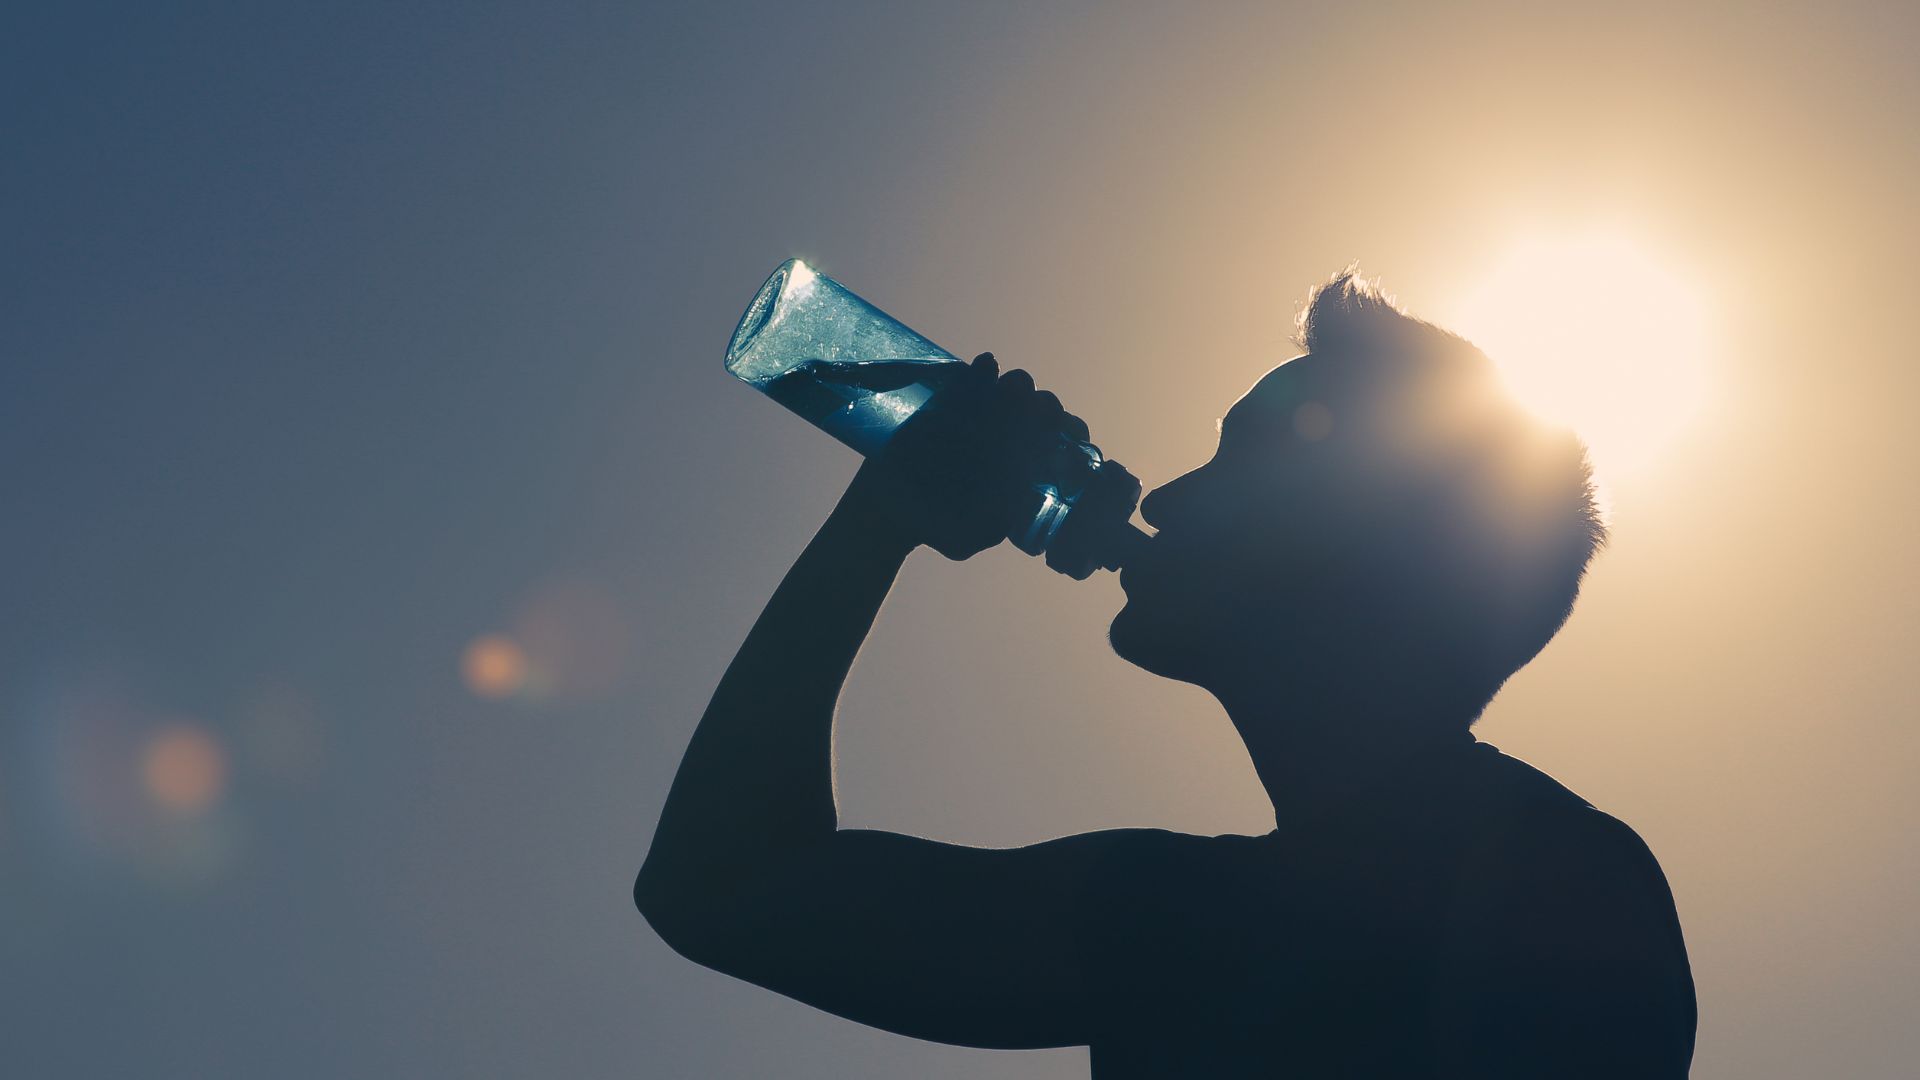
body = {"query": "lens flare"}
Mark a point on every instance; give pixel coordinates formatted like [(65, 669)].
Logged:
[(494, 667), (576, 638), (184, 769), (1313, 421), (1594, 332)]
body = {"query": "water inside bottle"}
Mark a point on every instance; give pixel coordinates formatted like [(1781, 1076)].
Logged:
[(859, 402), (846, 366), (857, 373)]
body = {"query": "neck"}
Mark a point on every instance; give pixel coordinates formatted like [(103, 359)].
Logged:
[(1317, 750)]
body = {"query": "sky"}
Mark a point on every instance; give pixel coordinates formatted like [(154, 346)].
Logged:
[(378, 516)]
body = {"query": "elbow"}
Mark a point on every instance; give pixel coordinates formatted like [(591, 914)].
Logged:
[(685, 920), (658, 898)]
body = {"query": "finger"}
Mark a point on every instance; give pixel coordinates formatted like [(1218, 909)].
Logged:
[(1041, 416), (1075, 428), (1015, 384), (1011, 402), (1044, 407), (1042, 419), (986, 365)]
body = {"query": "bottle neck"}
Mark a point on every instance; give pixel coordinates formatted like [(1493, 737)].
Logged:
[(1094, 531)]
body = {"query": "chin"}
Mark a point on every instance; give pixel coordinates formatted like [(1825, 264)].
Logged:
[(1153, 644)]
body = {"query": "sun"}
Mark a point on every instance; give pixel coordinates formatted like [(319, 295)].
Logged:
[(1595, 332)]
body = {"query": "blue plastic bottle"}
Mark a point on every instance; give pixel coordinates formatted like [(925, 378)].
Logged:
[(857, 373)]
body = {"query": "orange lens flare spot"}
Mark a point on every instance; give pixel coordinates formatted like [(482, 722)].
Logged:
[(1313, 421), (184, 769), (494, 667)]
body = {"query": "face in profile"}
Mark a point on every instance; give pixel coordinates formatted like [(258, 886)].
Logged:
[(1380, 519), (1288, 546)]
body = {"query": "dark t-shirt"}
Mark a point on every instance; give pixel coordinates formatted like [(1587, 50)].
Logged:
[(1463, 916)]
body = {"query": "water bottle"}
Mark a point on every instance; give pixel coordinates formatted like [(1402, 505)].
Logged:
[(856, 373)]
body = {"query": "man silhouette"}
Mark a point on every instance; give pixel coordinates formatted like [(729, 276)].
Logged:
[(1381, 539)]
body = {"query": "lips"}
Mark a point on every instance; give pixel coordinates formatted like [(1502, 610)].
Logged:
[(1139, 563)]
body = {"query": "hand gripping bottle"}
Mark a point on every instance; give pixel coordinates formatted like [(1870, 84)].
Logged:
[(857, 374)]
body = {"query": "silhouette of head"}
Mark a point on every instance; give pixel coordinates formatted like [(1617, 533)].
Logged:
[(1380, 522)]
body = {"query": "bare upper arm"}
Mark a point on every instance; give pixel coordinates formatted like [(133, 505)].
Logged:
[(974, 946)]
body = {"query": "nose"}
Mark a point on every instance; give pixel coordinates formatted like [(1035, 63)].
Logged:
[(1162, 505)]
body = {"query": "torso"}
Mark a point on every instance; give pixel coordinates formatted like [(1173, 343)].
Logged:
[(1330, 949)]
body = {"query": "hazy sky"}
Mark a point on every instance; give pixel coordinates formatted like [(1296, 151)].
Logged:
[(335, 338)]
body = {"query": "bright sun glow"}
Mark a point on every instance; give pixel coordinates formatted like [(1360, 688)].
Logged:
[(1595, 333)]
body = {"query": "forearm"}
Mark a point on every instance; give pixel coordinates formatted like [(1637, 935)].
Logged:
[(756, 783)]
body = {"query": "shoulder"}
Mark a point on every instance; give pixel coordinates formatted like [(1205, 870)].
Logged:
[(1565, 944), (1581, 847), (1541, 850), (1546, 841), (1561, 893), (1563, 954), (1531, 827), (1549, 876)]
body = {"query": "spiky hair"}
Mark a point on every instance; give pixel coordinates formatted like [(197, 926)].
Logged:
[(1537, 479)]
